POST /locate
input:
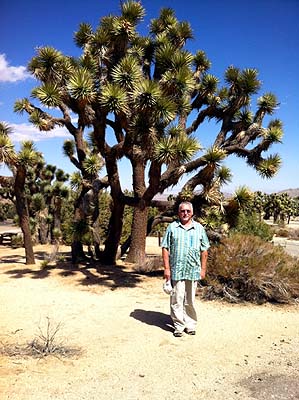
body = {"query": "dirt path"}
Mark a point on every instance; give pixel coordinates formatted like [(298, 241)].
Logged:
[(121, 324)]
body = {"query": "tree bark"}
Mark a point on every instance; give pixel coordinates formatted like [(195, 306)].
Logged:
[(138, 236), (109, 254), (136, 252), (43, 227), (23, 214)]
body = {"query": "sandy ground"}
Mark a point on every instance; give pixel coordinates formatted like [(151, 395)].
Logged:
[(119, 321)]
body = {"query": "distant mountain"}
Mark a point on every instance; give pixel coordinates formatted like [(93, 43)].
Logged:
[(291, 192)]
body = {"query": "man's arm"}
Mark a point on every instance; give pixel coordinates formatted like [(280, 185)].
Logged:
[(203, 262), (165, 256)]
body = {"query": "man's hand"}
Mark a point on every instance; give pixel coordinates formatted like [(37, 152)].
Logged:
[(167, 274), (202, 274), (203, 261), (165, 256)]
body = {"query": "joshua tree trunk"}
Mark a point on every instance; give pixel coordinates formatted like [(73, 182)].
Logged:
[(139, 224), (138, 236), (43, 227), (109, 254), (23, 214)]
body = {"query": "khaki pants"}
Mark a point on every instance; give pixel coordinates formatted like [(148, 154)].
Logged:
[(182, 310)]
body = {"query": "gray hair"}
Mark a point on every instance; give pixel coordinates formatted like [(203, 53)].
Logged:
[(187, 203)]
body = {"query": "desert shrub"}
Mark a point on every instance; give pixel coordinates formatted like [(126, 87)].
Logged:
[(7, 210), (246, 268), (294, 234), (250, 224), (45, 343), (282, 232), (17, 241)]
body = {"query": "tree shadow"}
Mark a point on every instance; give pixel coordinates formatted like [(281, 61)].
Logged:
[(112, 276), (19, 273), (155, 318), (14, 259), (21, 258), (92, 273)]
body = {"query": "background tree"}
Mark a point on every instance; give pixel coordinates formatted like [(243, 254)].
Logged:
[(46, 190), (19, 162)]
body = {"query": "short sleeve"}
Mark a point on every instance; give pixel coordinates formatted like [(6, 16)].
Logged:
[(205, 244), (166, 239)]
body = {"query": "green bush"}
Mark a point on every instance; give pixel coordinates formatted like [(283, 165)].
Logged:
[(250, 224), (246, 268), (7, 210), (17, 241)]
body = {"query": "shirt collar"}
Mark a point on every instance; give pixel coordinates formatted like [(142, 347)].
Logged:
[(179, 224)]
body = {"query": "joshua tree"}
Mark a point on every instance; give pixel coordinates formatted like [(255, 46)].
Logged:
[(46, 193), (19, 162), (153, 95)]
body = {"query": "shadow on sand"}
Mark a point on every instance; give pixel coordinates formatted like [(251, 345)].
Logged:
[(87, 273), (155, 318)]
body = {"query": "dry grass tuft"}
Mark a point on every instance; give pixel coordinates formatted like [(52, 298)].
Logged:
[(45, 343)]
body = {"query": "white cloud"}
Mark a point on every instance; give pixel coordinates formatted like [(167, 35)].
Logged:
[(21, 132), (11, 74)]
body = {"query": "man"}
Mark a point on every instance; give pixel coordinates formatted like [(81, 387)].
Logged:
[(184, 252)]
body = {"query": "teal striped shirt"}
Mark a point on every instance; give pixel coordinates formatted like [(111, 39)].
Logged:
[(185, 246)]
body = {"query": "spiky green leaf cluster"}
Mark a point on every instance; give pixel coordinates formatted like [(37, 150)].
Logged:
[(209, 83), (41, 120), (49, 94), (245, 117), (180, 149), (224, 175), (166, 19), (274, 134), (132, 11), (244, 197), (249, 82), (76, 181), (187, 147), (22, 105), (68, 148), (28, 155), (122, 29), (269, 167), (83, 35), (165, 110), (7, 150), (93, 164), (242, 82), (114, 98), (146, 95), (81, 86), (201, 61), (127, 72), (178, 83), (214, 155), (267, 103), (38, 202), (50, 65)]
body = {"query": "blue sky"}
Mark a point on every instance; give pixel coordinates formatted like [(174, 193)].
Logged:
[(261, 34)]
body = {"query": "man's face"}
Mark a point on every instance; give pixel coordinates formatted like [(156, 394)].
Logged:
[(185, 213)]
